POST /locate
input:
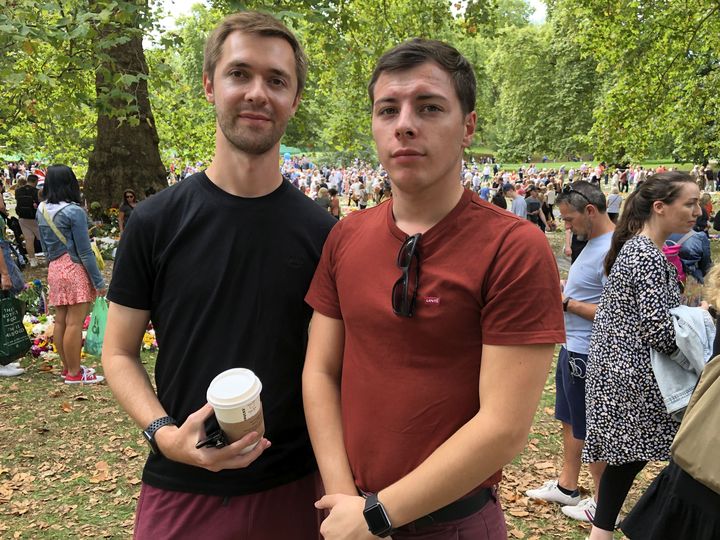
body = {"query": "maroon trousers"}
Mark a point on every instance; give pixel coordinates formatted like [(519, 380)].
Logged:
[(487, 524), (286, 511)]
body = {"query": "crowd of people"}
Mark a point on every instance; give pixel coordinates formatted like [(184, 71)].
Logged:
[(390, 396)]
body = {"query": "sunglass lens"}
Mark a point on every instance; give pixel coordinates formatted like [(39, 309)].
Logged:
[(399, 300), (407, 251)]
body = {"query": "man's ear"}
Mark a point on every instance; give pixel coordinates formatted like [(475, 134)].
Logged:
[(296, 104), (208, 88), (469, 129)]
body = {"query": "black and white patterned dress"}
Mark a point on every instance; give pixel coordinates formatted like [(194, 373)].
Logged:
[(626, 416)]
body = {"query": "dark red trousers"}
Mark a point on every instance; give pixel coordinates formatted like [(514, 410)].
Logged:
[(284, 512)]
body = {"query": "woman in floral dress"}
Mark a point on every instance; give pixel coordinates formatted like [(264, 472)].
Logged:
[(627, 424)]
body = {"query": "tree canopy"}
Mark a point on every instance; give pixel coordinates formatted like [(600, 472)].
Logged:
[(616, 79)]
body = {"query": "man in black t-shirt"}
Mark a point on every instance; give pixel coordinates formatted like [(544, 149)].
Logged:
[(27, 203), (534, 208), (221, 263)]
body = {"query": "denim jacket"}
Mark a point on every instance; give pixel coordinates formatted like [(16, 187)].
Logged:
[(678, 373), (72, 222)]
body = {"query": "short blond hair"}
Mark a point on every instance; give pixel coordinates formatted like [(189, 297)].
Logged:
[(254, 23)]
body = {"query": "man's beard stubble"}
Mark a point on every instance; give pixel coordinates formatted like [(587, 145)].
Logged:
[(247, 140)]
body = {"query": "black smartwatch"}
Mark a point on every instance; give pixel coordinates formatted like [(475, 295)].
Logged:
[(149, 432), (376, 517), (565, 303)]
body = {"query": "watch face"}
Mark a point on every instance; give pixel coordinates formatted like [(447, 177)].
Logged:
[(377, 519)]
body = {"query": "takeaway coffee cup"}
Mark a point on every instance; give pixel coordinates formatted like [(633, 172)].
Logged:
[(235, 396)]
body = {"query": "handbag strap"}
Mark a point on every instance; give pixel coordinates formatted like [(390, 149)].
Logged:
[(687, 235), (52, 225)]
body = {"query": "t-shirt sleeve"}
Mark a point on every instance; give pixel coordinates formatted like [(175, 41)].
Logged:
[(322, 295), (133, 273), (522, 304)]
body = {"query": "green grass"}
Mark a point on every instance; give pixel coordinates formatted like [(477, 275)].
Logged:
[(70, 459)]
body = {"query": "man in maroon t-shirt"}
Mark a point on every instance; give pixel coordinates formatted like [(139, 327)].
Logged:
[(435, 320)]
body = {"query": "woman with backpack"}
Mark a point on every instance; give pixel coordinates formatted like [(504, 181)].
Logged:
[(627, 422), (684, 500), (74, 278)]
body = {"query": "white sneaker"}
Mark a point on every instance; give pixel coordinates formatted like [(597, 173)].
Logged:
[(14, 364), (11, 371), (33, 262), (551, 493), (584, 511)]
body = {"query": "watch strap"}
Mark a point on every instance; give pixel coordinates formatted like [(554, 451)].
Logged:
[(150, 431)]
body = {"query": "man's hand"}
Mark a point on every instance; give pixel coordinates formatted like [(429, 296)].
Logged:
[(178, 444), (346, 520), (5, 282)]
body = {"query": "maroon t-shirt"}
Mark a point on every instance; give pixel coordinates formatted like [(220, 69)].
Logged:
[(408, 384)]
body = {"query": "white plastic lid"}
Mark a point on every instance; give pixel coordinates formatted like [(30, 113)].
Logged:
[(233, 387)]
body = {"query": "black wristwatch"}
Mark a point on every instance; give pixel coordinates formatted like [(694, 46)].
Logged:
[(565, 303), (376, 517), (149, 432)]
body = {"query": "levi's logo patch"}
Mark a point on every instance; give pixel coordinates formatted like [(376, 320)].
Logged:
[(431, 300)]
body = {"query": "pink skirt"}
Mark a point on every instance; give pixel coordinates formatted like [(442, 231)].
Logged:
[(68, 282)]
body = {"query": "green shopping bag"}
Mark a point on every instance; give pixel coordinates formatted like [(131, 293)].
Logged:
[(96, 329), (14, 341)]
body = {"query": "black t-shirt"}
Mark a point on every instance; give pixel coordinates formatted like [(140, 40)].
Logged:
[(127, 210), (27, 201), (499, 200), (533, 205), (224, 279)]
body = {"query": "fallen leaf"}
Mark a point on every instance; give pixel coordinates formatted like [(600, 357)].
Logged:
[(101, 473), (129, 452), (66, 407)]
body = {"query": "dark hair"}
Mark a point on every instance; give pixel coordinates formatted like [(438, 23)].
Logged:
[(61, 185), (332, 191), (32, 178), (253, 23), (663, 187), (417, 51), (131, 192), (581, 193)]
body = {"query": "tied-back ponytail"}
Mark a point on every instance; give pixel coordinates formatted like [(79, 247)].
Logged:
[(663, 187)]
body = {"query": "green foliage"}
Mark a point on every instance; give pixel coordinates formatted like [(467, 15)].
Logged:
[(185, 120), (622, 80), (546, 93), (660, 62), (51, 52)]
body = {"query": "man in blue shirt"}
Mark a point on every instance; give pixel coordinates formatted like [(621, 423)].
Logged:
[(518, 205), (584, 209)]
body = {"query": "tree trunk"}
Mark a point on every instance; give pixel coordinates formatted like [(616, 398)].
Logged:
[(126, 154)]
